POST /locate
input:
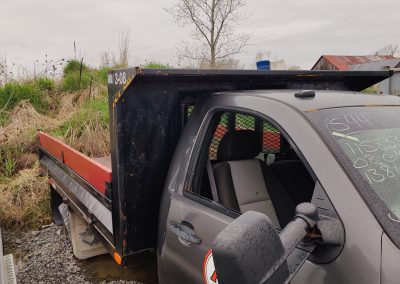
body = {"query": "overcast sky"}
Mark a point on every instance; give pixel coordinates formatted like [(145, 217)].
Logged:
[(294, 30)]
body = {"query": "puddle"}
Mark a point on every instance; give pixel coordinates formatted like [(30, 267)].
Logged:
[(141, 267)]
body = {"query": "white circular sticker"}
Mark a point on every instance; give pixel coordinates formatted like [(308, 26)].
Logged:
[(209, 273)]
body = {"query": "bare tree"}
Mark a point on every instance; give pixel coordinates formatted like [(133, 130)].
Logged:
[(265, 54), (106, 59), (124, 44), (226, 63), (213, 23), (6, 73), (294, 67), (390, 49), (110, 58)]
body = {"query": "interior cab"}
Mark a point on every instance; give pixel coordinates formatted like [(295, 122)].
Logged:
[(248, 164)]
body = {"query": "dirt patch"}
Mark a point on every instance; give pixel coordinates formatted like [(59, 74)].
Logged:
[(45, 256)]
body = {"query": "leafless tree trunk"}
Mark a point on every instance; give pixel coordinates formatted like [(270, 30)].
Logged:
[(106, 59), (213, 23), (124, 49), (119, 58), (390, 49)]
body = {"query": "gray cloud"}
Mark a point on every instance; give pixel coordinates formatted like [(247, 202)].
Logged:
[(297, 31)]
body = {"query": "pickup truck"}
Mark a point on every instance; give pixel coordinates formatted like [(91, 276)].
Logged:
[(239, 177)]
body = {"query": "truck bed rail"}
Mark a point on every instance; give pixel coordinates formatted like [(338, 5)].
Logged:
[(82, 183), (95, 173)]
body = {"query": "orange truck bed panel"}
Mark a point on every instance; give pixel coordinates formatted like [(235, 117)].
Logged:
[(95, 173)]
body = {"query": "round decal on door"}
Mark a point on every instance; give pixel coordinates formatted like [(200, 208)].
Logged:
[(209, 274)]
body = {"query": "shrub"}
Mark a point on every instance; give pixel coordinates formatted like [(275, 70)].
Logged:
[(156, 65), (101, 75), (45, 84), (73, 81), (74, 66)]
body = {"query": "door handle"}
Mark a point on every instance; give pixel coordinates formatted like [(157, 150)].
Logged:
[(185, 232)]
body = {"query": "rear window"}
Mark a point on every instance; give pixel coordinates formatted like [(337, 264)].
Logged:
[(366, 141), (269, 134)]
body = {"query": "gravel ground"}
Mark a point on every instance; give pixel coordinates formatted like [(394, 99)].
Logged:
[(46, 256)]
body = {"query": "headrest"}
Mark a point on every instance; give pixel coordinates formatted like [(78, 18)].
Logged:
[(239, 145)]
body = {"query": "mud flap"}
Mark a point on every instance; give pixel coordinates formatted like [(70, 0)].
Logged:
[(85, 243), (56, 200)]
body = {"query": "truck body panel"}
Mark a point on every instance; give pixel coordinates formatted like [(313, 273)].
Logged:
[(148, 109), (148, 112), (180, 206)]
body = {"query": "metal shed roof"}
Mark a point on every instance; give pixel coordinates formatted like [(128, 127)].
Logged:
[(344, 62), (376, 66)]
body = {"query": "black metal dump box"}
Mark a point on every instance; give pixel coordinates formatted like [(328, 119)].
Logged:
[(148, 109)]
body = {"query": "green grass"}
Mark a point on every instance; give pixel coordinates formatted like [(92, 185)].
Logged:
[(102, 107), (8, 163), (4, 119), (156, 65), (12, 93), (73, 81), (101, 75), (74, 66), (45, 84), (95, 111), (370, 90)]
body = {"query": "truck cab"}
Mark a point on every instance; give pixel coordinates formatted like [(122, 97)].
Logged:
[(267, 157), (273, 165)]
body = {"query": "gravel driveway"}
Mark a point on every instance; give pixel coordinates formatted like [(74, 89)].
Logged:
[(45, 256)]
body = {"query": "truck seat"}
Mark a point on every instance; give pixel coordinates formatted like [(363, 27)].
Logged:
[(245, 183)]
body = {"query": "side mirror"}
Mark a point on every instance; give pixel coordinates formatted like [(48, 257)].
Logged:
[(250, 250)]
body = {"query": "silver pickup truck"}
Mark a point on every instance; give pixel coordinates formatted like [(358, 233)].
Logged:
[(241, 177)]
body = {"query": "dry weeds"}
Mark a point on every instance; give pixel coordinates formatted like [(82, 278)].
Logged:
[(24, 120), (25, 200), (93, 141)]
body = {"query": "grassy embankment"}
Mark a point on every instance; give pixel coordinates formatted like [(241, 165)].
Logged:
[(73, 108)]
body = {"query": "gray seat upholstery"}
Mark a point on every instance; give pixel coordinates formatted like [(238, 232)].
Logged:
[(240, 177)]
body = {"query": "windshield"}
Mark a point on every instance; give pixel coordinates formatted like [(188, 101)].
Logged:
[(366, 140)]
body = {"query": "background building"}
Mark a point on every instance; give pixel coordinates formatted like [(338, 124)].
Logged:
[(336, 62), (389, 86)]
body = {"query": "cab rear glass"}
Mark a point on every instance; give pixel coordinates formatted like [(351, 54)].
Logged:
[(366, 141)]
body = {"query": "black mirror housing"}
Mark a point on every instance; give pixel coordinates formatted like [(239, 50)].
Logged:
[(250, 250), (239, 251)]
